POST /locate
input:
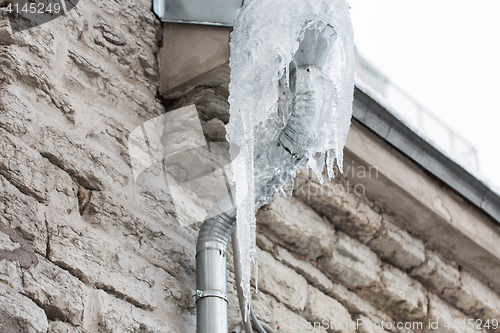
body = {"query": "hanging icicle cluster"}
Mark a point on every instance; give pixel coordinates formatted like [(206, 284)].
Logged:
[(264, 44)]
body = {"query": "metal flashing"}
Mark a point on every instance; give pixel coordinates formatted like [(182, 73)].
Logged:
[(207, 12)]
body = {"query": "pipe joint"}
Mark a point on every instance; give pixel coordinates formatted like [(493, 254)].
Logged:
[(211, 245)]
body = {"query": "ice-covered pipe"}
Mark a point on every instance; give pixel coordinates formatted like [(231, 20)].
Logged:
[(311, 95), (310, 91)]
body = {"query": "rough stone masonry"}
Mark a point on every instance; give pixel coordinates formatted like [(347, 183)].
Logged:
[(85, 247)]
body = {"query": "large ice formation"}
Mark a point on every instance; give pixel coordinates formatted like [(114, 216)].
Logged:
[(291, 92)]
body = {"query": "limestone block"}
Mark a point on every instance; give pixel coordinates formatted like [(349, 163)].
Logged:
[(136, 20), (436, 274), (365, 224), (10, 274), (30, 73), (233, 308), (357, 305), (313, 275), (17, 112), (118, 98), (215, 130), (6, 35), (124, 50), (366, 325), (264, 243), (115, 315), (415, 324), (167, 245), (474, 298), (342, 207), (282, 282), (34, 175), (17, 250), (105, 209), (7, 244), (59, 293), (280, 317), (20, 314), (92, 166), (443, 314), (210, 102), (99, 260), (397, 247), (297, 225), (62, 327), (23, 213), (320, 307), (269, 310), (352, 263), (401, 294)]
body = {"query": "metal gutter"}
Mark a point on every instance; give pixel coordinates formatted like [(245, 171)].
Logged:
[(379, 120)]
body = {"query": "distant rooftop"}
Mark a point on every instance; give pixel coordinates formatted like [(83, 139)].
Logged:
[(422, 121)]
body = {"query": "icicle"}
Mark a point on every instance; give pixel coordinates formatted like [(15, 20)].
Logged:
[(317, 163), (330, 159)]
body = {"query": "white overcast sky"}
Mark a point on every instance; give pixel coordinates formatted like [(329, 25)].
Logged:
[(446, 54)]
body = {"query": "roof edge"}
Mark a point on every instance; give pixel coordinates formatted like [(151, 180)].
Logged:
[(378, 119)]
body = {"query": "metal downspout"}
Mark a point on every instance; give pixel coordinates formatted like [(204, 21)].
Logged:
[(211, 267)]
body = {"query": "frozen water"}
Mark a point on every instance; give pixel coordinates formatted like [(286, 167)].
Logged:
[(291, 92)]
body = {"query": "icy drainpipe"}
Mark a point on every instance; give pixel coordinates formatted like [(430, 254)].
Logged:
[(285, 154), (307, 91)]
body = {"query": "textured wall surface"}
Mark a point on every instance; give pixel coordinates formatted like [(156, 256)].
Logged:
[(85, 247)]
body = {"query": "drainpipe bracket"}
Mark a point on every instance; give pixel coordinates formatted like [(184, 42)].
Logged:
[(209, 293)]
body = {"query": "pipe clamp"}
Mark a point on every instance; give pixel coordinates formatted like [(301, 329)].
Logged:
[(209, 293)]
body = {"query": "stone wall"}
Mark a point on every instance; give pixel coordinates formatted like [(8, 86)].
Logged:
[(86, 247)]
